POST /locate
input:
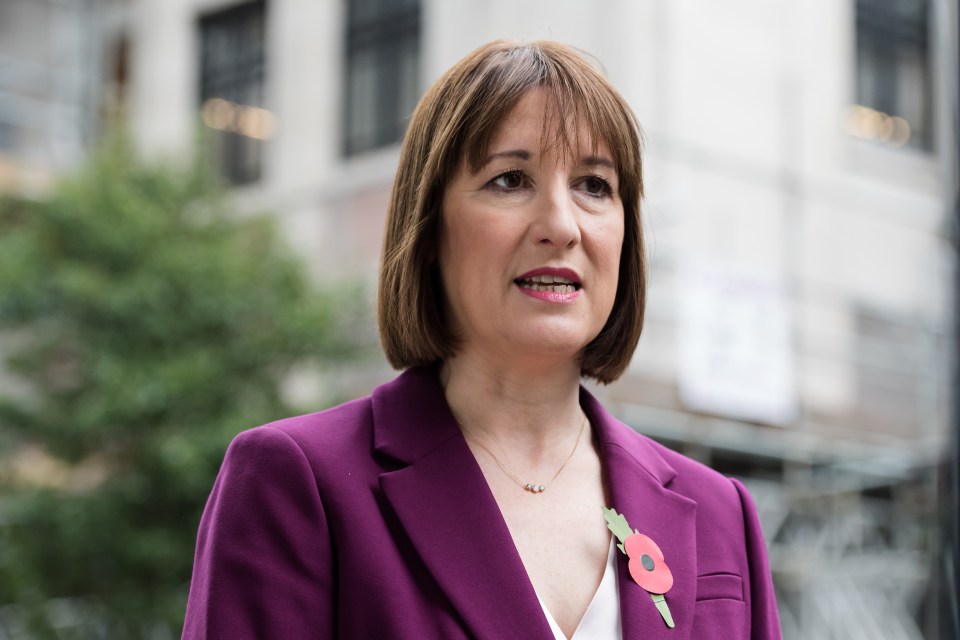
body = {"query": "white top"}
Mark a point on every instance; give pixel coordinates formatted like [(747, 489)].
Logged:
[(602, 619)]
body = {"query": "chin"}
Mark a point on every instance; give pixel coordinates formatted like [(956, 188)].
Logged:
[(552, 345)]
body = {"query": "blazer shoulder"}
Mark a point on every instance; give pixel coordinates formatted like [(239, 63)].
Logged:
[(328, 423), (726, 514), (696, 480), (340, 433)]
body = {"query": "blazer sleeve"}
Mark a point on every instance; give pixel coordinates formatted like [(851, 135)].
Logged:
[(263, 565), (765, 621)]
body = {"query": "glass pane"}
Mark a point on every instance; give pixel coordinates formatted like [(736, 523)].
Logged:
[(893, 63), (232, 77), (408, 82), (362, 101), (382, 71)]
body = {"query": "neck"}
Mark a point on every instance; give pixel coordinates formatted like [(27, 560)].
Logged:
[(534, 413)]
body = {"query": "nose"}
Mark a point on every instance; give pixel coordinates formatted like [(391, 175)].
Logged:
[(556, 217)]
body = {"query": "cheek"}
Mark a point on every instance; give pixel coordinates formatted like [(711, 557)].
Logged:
[(608, 259), (452, 256), (444, 251), (609, 247), (468, 252), (615, 250)]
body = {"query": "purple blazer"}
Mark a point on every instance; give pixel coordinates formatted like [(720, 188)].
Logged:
[(372, 520)]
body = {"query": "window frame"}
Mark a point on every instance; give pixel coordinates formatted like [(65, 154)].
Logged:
[(239, 85), (389, 34)]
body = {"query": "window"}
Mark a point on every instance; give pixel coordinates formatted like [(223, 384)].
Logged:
[(893, 73), (232, 66), (8, 137), (381, 82), (115, 82)]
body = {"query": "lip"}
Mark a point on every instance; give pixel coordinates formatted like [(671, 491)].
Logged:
[(555, 297), (551, 296), (562, 272)]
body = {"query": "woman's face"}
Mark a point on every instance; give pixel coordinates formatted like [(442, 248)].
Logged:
[(530, 244)]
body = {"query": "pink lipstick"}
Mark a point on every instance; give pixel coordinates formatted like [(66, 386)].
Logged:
[(550, 284)]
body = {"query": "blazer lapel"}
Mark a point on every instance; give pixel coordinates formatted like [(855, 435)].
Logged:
[(452, 519), (448, 512), (638, 478)]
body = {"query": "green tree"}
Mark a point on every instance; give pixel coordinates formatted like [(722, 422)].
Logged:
[(144, 325)]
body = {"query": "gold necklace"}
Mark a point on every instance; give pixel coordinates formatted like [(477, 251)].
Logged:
[(532, 487)]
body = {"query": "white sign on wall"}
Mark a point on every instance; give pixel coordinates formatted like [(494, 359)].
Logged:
[(736, 356)]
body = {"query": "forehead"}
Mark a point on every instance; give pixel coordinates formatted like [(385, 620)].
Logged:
[(537, 124)]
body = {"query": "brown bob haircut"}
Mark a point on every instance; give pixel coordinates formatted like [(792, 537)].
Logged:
[(452, 125)]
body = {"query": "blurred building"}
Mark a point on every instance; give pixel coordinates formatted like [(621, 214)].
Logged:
[(800, 171)]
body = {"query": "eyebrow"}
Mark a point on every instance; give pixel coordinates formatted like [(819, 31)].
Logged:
[(594, 161), (523, 154)]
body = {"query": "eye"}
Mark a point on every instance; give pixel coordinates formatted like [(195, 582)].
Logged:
[(596, 186), (509, 180)]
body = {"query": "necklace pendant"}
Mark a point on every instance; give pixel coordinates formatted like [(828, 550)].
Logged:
[(532, 487)]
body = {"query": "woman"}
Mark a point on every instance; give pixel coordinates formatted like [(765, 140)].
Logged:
[(463, 499)]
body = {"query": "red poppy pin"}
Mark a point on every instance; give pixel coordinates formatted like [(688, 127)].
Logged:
[(647, 566)]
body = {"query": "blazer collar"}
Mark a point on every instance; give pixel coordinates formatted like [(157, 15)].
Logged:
[(638, 479), (411, 417), (450, 516), (448, 512)]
